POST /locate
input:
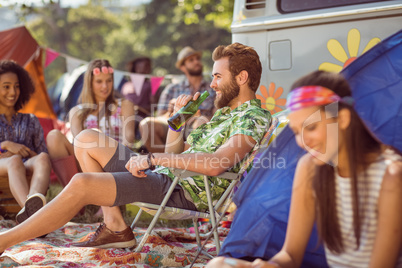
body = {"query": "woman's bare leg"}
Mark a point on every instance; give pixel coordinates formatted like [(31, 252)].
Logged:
[(58, 145), (61, 153), (39, 166), (153, 134), (14, 168)]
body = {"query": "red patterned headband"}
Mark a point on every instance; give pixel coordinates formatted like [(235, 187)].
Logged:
[(104, 69), (307, 96)]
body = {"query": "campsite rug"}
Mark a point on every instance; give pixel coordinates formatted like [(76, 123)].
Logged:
[(166, 247)]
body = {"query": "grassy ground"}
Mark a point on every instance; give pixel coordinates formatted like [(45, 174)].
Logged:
[(89, 214)]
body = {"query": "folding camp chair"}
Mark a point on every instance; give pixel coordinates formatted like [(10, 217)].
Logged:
[(161, 211), (8, 204)]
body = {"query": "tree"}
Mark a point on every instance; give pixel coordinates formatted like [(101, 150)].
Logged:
[(83, 32), (172, 24), (220, 13), (159, 29)]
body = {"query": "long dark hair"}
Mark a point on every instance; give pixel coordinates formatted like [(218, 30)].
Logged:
[(27, 87), (359, 142)]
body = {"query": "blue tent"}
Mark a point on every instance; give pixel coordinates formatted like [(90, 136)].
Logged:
[(263, 200), (65, 93), (376, 81)]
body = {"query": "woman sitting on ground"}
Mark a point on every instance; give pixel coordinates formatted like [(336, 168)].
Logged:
[(349, 183), (98, 109), (23, 153)]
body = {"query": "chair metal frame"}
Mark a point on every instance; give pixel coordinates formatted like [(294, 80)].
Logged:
[(187, 214), (218, 210)]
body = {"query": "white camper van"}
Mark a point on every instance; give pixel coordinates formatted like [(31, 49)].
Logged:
[(295, 37)]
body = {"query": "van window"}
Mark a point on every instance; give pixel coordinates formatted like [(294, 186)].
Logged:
[(287, 6), (255, 4)]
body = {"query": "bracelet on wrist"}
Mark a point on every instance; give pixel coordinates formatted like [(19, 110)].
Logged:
[(178, 130), (149, 159)]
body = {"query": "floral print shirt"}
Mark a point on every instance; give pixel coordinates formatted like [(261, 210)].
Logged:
[(247, 119), (24, 129)]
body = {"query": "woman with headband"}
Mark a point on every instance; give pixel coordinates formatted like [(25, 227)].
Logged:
[(348, 183), (99, 109)]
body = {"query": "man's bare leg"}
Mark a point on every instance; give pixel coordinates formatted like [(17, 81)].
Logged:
[(84, 188), (93, 159)]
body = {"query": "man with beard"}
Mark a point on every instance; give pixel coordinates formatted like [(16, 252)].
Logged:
[(154, 129), (109, 180)]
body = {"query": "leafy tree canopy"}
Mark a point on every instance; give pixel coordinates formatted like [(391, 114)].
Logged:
[(159, 29)]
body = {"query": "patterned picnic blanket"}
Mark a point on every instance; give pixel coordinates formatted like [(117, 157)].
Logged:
[(166, 247)]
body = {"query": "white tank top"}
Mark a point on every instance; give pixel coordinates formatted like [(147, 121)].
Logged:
[(360, 257)]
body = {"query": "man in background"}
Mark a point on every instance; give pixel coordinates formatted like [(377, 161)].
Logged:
[(153, 130)]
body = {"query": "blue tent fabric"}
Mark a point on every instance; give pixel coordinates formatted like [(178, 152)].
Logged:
[(74, 94), (376, 82), (259, 227), (69, 87), (263, 200)]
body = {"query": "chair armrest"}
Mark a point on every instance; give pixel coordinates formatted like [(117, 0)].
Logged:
[(185, 173)]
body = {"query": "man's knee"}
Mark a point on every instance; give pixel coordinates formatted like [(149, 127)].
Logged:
[(86, 139), (79, 183), (87, 135)]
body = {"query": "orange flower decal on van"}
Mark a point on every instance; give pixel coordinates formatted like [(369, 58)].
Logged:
[(270, 99), (339, 53)]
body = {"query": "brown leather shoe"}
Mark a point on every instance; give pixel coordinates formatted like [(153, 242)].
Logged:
[(105, 238)]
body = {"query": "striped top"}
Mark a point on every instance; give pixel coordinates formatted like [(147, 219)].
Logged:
[(112, 128), (372, 184)]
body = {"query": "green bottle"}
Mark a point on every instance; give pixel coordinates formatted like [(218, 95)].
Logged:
[(187, 111)]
